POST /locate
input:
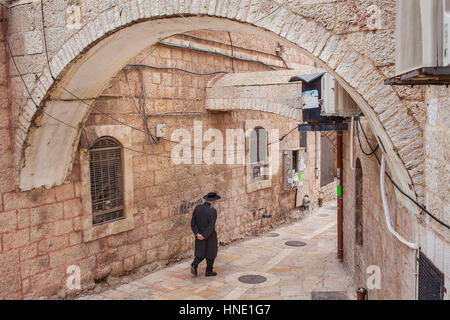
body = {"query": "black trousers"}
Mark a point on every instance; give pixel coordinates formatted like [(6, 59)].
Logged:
[(209, 263)]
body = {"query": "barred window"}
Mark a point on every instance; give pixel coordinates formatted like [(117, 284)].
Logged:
[(105, 164)]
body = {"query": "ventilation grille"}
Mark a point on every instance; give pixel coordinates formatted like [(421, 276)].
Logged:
[(105, 162), (431, 280)]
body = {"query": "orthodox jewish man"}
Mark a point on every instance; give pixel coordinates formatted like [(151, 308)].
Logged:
[(203, 224)]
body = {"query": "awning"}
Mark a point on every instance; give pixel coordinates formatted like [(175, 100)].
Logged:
[(307, 77)]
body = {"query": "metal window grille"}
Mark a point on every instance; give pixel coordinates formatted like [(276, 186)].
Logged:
[(431, 280), (105, 164)]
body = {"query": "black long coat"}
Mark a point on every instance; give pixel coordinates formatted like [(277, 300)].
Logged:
[(204, 221)]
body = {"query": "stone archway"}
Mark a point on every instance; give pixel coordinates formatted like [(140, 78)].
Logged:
[(84, 63)]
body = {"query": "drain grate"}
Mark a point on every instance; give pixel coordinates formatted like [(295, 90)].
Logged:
[(252, 279), (323, 215), (272, 234), (328, 295), (295, 243)]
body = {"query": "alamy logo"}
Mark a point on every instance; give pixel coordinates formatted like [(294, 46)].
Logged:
[(74, 277), (374, 17), (210, 147), (374, 280)]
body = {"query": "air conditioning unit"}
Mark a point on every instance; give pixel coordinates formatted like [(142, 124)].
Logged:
[(337, 101), (422, 34), (328, 94)]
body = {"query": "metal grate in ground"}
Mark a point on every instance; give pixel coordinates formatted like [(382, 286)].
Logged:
[(295, 243), (252, 279), (272, 234)]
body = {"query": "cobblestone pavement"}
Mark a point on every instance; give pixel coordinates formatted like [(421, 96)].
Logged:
[(291, 272)]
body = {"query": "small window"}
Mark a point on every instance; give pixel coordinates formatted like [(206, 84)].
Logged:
[(105, 164), (258, 145), (258, 153)]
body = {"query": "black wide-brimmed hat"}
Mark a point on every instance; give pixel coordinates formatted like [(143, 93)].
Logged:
[(211, 196)]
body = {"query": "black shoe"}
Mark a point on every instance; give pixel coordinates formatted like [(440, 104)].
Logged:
[(210, 274), (194, 270)]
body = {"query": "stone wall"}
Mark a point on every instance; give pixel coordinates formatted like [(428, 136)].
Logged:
[(397, 262), (435, 239), (380, 248), (42, 230), (354, 40), (329, 191)]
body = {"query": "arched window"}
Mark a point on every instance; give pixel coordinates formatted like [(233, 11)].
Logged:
[(105, 164), (258, 145), (359, 221)]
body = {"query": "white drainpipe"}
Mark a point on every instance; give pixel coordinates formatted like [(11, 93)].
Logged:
[(386, 208), (351, 144), (317, 155)]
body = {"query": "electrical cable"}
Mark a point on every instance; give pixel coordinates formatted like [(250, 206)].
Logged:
[(45, 40), (141, 110), (397, 187), (232, 51), (360, 145), (111, 117), (373, 151), (165, 139), (56, 119), (93, 107), (217, 42), (214, 52), (28, 91), (272, 12), (174, 68), (284, 61), (284, 136)]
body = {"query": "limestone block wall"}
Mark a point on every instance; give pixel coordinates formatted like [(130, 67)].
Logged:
[(329, 191), (435, 239), (41, 231), (352, 39), (395, 261)]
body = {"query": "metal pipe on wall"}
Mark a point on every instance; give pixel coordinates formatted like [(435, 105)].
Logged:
[(340, 201), (316, 165)]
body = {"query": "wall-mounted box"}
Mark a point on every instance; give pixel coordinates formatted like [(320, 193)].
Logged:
[(324, 99), (160, 130), (294, 166)]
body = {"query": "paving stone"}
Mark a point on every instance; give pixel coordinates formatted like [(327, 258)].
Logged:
[(289, 276)]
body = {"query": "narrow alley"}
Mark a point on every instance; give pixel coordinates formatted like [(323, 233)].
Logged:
[(301, 148), (281, 271)]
